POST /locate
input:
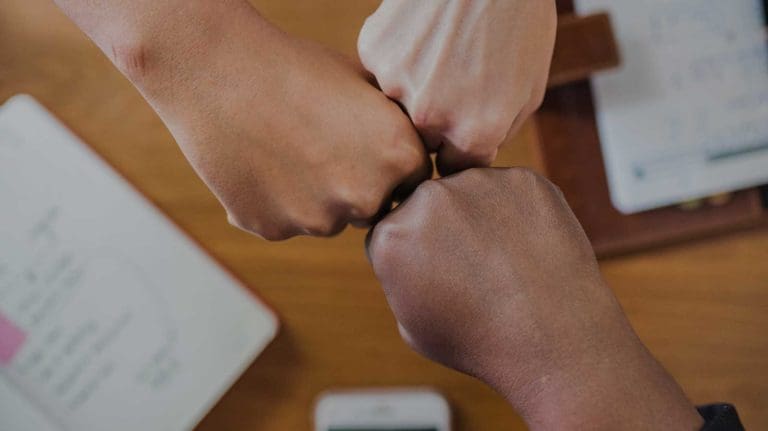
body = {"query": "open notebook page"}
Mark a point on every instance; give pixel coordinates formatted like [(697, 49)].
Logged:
[(686, 114), (110, 317)]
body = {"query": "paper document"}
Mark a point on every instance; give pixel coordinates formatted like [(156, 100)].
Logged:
[(686, 114), (110, 317)]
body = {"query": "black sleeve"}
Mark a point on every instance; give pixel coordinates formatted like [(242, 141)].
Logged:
[(720, 417)]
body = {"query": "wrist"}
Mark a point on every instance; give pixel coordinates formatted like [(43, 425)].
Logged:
[(614, 383)]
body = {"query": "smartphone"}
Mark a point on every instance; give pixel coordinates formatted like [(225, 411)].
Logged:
[(382, 410)]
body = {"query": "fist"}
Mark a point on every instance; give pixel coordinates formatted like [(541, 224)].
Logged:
[(468, 72), (320, 151), (291, 137), (488, 272)]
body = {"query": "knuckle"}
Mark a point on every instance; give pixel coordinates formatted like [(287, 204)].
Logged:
[(557, 190), (479, 151), (480, 141), (236, 220), (522, 175), (529, 173), (538, 99), (405, 152), (269, 233), (429, 190), (367, 43), (401, 127), (433, 125), (358, 203), (273, 234), (365, 208), (466, 183), (496, 126), (427, 117), (386, 79), (477, 176), (543, 181), (324, 228), (386, 240), (369, 39), (365, 48), (495, 130), (489, 131), (410, 340), (383, 68), (487, 157), (432, 196), (409, 159), (530, 178), (323, 224)]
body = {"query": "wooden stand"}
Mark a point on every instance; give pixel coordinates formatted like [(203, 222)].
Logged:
[(569, 147)]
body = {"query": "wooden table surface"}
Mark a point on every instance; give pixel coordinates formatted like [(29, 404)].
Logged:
[(702, 307)]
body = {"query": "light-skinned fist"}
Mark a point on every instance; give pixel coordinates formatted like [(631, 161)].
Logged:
[(468, 72)]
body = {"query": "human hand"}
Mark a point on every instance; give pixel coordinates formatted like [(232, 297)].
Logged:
[(488, 272), (290, 136), (468, 72)]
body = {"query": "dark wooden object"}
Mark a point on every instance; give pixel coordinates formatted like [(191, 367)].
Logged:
[(584, 45), (569, 147)]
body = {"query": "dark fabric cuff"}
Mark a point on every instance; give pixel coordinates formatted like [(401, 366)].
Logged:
[(720, 417)]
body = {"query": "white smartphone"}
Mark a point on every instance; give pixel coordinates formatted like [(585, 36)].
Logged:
[(382, 410)]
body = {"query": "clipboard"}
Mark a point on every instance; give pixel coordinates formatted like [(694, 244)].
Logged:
[(569, 153)]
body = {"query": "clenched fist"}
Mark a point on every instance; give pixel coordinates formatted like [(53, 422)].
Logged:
[(469, 72), (488, 271), (291, 137)]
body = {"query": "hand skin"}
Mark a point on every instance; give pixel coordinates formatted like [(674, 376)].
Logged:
[(290, 136), (488, 272), (468, 72)]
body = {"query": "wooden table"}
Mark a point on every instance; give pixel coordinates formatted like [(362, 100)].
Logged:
[(701, 307)]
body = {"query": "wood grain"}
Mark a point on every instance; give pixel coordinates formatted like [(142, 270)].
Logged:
[(702, 307)]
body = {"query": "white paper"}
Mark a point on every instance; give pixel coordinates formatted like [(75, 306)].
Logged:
[(686, 115), (110, 317)]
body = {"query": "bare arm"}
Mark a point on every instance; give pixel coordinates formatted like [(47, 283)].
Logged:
[(290, 136)]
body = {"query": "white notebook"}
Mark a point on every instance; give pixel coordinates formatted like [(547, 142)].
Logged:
[(110, 317), (686, 114)]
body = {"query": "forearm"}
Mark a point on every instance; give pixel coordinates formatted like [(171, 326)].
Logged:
[(159, 44), (615, 384), (636, 394)]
